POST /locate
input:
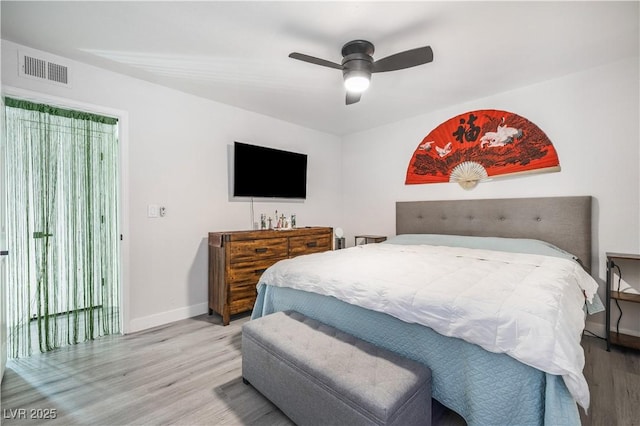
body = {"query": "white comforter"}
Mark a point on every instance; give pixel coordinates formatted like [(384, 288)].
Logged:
[(527, 306)]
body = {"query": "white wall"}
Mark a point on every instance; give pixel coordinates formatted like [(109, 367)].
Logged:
[(591, 117), (176, 156)]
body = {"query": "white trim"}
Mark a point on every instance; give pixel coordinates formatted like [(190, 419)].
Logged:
[(3, 246), (39, 97), (595, 328), (167, 317), (599, 329), (123, 134)]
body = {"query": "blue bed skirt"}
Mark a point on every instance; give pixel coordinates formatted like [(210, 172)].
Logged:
[(484, 388)]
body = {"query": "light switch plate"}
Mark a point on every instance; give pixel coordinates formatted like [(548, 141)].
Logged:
[(153, 210)]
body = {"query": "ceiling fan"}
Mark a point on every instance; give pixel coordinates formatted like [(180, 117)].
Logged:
[(358, 64)]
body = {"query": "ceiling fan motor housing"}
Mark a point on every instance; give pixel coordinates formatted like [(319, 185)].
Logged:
[(358, 46), (357, 64), (357, 59)]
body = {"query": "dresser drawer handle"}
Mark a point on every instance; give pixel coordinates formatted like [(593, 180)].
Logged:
[(312, 244), (259, 271), (261, 250)]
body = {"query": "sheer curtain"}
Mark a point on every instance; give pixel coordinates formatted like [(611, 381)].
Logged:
[(62, 226)]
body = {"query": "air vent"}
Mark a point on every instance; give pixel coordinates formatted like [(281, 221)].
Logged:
[(57, 72), (35, 67), (40, 67)]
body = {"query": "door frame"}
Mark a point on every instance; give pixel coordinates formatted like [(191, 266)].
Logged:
[(3, 244), (123, 171)]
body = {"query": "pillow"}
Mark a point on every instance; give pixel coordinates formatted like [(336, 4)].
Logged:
[(512, 245)]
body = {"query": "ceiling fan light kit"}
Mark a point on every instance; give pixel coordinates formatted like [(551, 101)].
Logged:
[(356, 83), (358, 64)]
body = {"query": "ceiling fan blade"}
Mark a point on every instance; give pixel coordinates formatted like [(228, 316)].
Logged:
[(352, 98), (406, 59), (314, 60)]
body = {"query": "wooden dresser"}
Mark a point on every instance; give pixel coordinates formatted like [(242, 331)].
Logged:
[(237, 259)]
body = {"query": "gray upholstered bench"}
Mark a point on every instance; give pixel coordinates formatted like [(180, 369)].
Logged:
[(318, 375)]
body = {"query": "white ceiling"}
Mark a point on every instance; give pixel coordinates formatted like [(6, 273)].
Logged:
[(237, 52)]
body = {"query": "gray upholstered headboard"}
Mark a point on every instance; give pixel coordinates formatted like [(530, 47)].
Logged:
[(562, 221)]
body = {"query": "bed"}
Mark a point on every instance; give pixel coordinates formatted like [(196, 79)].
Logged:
[(487, 379)]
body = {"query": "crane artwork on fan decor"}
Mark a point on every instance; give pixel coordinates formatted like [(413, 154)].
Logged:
[(479, 145)]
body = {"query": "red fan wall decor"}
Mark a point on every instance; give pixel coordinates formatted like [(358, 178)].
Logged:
[(480, 144)]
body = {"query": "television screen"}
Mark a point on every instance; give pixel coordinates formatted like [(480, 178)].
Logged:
[(269, 173)]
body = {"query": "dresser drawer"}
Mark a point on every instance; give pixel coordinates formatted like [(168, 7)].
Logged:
[(249, 272), (244, 290), (241, 251), (309, 244), (241, 305)]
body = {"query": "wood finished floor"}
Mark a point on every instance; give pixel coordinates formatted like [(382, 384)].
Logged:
[(189, 373)]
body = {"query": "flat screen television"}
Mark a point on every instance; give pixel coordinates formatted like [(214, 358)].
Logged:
[(264, 172)]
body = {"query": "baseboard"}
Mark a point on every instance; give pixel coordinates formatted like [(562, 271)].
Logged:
[(599, 329), (166, 317), (595, 328)]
